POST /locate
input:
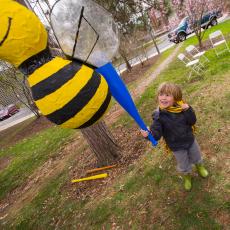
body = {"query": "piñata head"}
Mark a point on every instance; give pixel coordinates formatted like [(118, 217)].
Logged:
[(86, 26), (21, 34)]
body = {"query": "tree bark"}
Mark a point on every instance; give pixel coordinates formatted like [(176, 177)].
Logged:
[(154, 41), (128, 66), (200, 43), (150, 29), (199, 36), (102, 143)]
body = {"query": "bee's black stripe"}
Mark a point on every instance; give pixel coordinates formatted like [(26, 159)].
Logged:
[(99, 113), (55, 81), (36, 61), (78, 102)]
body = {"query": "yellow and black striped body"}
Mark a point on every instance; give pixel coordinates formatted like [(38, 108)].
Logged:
[(69, 93)]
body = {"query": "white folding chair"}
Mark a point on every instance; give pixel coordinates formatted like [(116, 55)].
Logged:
[(217, 39), (195, 53), (195, 65)]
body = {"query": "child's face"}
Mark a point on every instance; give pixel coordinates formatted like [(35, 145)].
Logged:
[(165, 100)]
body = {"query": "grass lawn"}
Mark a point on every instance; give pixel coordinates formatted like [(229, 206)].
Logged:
[(29, 154), (148, 194)]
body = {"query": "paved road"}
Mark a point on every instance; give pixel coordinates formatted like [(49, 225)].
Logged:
[(22, 115)]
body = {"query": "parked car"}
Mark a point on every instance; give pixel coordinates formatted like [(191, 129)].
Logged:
[(8, 111), (186, 27)]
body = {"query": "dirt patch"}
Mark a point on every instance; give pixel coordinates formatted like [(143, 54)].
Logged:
[(132, 146), (37, 125), (24, 130), (4, 162), (138, 71)]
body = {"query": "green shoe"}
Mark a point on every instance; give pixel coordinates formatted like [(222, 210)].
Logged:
[(187, 182), (202, 170)]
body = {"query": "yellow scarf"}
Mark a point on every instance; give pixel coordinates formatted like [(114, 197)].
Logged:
[(174, 109)]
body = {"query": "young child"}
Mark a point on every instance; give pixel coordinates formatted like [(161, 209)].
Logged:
[(173, 120)]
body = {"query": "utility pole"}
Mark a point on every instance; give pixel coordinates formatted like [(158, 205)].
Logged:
[(151, 31)]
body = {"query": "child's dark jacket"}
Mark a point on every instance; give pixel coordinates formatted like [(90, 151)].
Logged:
[(176, 128)]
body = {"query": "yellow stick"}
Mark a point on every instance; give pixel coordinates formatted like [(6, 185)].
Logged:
[(99, 169), (99, 176)]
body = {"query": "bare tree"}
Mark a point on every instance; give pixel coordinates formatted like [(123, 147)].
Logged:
[(163, 6), (179, 8), (151, 31), (195, 10)]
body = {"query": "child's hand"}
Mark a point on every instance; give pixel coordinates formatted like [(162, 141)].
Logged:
[(144, 133), (184, 106)]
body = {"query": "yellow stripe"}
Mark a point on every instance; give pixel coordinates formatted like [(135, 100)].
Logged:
[(66, 93), (47, 70), (90, 109)]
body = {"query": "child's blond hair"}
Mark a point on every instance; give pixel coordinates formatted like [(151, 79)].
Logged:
[(170, 89)]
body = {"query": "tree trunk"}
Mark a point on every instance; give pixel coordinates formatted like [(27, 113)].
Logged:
[(199, 38), (154, 41), (200, 44), (129, 67), (102, 143)]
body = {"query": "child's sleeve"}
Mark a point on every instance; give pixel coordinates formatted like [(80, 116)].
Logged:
[(156, 127), (190, 116)]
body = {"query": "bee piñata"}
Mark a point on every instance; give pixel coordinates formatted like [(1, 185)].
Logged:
[(67, 92)]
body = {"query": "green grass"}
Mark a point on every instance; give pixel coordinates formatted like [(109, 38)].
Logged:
[(38, 213), (149, 194), (29, 154), (190, 211)]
